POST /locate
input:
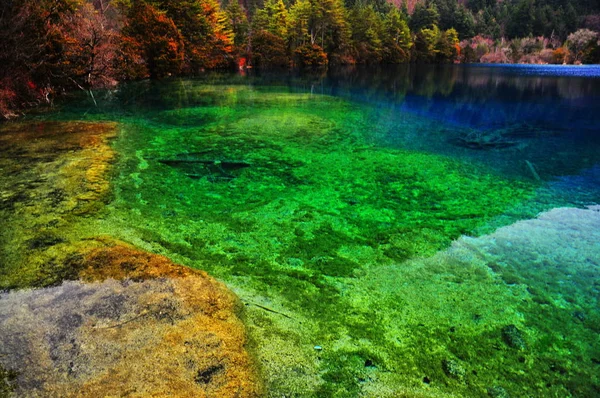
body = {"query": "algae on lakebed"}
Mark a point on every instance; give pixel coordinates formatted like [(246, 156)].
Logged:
[(342, 251), (85, 315), (318, 209)]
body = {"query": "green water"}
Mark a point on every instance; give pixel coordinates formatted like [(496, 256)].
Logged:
[(352, 254)]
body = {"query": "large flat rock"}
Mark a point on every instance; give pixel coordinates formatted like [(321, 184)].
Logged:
[(83, 315)]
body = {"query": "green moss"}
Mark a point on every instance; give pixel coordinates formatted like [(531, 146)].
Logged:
[(319, 253), (316, 210), (7, 378)]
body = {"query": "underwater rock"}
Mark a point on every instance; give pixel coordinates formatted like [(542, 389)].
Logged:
[(453, 369), (579, 316), (43, 241), (6, 382), (54, 176), (213, 169), (483, 141), (72, 158), (96, 316), (133, 322), (498, 138), (513, 337), (497, 392)]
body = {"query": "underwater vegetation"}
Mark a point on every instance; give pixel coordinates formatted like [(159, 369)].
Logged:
[(358, 264), (83, 314)]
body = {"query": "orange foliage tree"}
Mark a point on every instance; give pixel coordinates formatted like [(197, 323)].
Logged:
[(207, 37), (47, 46), (153, 35)]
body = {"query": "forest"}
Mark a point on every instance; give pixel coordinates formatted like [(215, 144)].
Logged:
[(48, 47)]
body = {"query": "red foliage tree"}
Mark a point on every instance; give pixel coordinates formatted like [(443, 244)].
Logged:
[(204, 29), (33, 50), (152, 36)]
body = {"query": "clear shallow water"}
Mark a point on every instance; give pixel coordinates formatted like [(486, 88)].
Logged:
[(338, 206)]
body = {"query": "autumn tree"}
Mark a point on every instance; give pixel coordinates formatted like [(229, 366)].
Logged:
[(310, 56), (583, 44), (208, 40), (152, 34), (49, 46), (448, 49), (92, 48), (269, 50)]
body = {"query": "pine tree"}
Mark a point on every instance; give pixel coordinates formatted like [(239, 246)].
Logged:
[(208, 41), (397, 39), (367, 33), (299, 23), (424, 16), (237, 23), (273, 18)]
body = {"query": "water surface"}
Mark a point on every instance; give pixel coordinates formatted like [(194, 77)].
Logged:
[(428, 231)]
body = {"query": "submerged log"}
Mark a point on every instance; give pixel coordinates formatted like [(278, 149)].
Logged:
[(483, 140), (482, 144), (533, 171), (225, 165), (214, 170)]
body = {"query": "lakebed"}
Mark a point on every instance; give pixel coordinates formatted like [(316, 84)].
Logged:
[(365, 237)]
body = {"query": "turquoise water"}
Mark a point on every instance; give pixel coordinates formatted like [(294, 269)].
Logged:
[(413, 231)]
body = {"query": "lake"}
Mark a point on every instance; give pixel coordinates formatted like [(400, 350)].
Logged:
[(408, 231)]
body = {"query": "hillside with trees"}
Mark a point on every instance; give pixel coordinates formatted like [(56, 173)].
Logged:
[(48, 47)]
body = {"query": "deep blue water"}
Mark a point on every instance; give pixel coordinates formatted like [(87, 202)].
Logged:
[(547, 115)]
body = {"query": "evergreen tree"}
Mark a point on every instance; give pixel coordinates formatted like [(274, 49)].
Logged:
[(237, 23), (327, 24), (520, 23), (426, 44), (424, 16), (397, 39), (273, 18), (367, 32), (299, 23)]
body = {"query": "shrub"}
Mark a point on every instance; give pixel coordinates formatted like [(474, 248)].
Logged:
[(474, 49), (531, 59), (7, 103), (547, 56), (311, 55), (582, 43), (394, 54), (497, 57), (561, 55), (269, 50), (531, 45)]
